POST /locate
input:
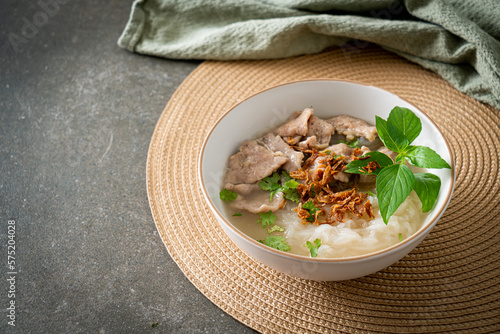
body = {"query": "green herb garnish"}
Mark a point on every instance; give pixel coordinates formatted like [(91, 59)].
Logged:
[(395, 181), (227, 195), (400, 237), (288, 188), (313, 247), (370, 193), (271, 184), (312, 192), (352, 143), (357, 166), (275, 228), (311, 208), (237, 214), (266, 219), (276, 242), (427, 188)]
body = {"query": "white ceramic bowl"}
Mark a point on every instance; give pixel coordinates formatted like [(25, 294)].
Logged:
[(270, 108)]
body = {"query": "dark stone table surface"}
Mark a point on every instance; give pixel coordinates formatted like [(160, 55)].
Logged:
[(76, 117)]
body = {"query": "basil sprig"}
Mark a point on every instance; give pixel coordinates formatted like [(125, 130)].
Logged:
[(395, 180)]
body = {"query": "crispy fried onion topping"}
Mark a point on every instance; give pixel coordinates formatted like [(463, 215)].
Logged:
[(371, 167), (327, 194)]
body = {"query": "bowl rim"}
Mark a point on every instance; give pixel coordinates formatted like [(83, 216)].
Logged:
[(422, 231)]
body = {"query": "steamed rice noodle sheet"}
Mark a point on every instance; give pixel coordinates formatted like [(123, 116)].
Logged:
[(290, 189)]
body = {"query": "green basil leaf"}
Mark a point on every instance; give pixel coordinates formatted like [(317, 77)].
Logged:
[(425, 157), (391, 136), (427, 188), (394, 184), (356, 166), (400, 157), (405, 121)]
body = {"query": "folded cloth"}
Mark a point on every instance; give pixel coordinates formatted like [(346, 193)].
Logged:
[(458, 39)]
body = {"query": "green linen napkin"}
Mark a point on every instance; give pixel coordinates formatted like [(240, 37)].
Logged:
[(458, 39)]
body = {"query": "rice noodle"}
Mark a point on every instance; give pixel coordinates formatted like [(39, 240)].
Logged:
[(355, 236)]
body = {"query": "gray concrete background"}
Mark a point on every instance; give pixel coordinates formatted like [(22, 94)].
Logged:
[(76, 118)]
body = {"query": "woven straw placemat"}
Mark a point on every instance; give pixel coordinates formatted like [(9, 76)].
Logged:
[(448, 284)]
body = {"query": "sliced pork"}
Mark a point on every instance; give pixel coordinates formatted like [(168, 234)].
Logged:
[(276, 144), (340, 149), (253, 199), (352, 127), (321, 130), (253, 162), (297, 125), (308, 143)]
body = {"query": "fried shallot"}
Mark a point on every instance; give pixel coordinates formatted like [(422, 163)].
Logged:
[(316, 186)]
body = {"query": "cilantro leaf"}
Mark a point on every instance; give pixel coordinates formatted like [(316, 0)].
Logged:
[(286, 176), (289, 190), (266, 219), (275, 228), (313, 247), (425, 157), (352, 143), (309, 205), (427, 188), (291, 194), (271, 184), (227, 195), (406, 122), (311, 208), (394, 184), (370, 193), (356, 166), (311, 191), (276, 242), (291, 184), (391, 136), (237, 214)]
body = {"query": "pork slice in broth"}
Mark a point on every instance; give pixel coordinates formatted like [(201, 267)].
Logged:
[(308, 143), (253, 162), (321, 130), (276, 144), (352, 127), (340, 149), (297, 124), (253, 199)]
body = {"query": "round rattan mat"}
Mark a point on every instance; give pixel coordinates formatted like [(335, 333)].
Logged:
[(450, 283)]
